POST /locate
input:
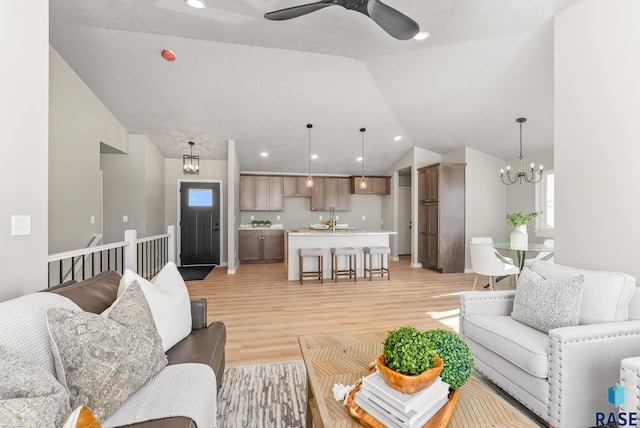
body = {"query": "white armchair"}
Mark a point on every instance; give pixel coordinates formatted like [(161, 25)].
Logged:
[(562, 376)]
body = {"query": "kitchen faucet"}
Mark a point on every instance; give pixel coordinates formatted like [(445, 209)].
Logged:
[(332, 218)]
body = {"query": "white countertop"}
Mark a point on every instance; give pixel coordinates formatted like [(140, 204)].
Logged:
[(259, 228), (338, 232)]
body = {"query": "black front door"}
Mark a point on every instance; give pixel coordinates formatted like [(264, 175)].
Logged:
[(200, 223)]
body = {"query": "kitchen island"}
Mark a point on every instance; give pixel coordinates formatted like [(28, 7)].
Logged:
[(325, 239)]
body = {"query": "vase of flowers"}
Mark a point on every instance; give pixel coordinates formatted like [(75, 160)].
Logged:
[(519, 237)]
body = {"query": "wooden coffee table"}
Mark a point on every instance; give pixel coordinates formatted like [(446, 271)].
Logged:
[(345, 357)]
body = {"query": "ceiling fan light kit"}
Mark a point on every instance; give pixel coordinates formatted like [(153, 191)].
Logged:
[(395, 23), (198, 4), (521, 177)]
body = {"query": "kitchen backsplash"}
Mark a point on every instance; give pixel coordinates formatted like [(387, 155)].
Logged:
[(297, 213)]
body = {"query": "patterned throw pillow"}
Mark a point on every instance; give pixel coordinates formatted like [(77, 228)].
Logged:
[(549, 303), (29, 395), (103, 360)]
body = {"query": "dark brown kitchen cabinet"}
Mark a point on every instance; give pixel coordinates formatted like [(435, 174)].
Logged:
[(441, 217), (296, 186), (376, 185), (261, 246), (331, 192), (317, 194), (261, 193), (276, 193)]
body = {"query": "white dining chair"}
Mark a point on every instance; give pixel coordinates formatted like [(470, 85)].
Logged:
[(485, 261), (489, 240)]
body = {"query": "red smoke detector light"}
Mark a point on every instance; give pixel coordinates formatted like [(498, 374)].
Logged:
[(168, 55)]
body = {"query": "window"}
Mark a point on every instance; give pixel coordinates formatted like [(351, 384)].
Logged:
[(545, 202), (200, 197)]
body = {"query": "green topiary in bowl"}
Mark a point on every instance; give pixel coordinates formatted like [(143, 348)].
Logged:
[(457, 358), (408, 351)]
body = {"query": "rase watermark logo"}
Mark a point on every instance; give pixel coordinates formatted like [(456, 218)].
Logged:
[(615, 396)]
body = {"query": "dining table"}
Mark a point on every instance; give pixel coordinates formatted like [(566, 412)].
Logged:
[(521, 251)]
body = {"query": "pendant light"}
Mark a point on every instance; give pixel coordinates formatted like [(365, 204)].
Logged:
[(309, 182), (363, 183), (191, 163)]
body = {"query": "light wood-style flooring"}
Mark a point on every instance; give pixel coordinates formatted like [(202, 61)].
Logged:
[(265, 313)]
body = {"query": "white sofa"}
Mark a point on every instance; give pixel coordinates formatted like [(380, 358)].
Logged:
[(562, 376)]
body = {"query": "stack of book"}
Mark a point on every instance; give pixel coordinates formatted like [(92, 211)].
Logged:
[(395, 409)]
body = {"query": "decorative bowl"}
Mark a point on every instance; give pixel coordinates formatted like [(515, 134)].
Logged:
[(409, 384)]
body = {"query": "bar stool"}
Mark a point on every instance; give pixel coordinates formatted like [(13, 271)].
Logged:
[(351, 253), (381, 251), (311, 252)]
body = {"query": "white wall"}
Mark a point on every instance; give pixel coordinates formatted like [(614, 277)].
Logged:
[(133, 187), (485, 199), (24, 104), (78, 122), (209, 170), (233, 207), (154, 190), (597, 147)]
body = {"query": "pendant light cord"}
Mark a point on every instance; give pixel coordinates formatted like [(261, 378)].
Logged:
[(309, 126), (362, 130)]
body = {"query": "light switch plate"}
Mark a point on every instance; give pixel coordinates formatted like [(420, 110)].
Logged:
[(125, 218), (20, 225), (92, 219), (363, 218)]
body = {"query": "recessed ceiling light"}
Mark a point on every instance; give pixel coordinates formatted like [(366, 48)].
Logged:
[(421, 35), (198, 4), (397, 138), (359, 158), (264, 154), (314, 156)]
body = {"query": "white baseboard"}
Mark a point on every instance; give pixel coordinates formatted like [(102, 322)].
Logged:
[(416, 265)]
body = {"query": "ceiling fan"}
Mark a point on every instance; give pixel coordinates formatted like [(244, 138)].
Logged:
[(393, 22)]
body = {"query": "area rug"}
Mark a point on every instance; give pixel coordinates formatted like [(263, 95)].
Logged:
[(263, 395), (194, 273)]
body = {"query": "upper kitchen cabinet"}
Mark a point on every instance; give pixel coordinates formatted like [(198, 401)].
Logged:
[(296, 186), (317, 194), (261, 193), (331, 192), (376, 185)]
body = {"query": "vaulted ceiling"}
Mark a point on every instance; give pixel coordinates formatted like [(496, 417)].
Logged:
[(259, 82)]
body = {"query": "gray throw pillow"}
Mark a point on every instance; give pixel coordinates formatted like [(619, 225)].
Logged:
[(29, 395), (548, 303), (103, 360)]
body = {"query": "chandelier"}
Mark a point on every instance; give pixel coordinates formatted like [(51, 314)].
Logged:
[(521, 176), (191, 163)]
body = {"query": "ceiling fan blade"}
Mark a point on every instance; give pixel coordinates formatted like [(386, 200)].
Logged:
[(393, 22), (295, 11)]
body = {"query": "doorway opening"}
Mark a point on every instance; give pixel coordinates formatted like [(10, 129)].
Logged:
[(404, 212)]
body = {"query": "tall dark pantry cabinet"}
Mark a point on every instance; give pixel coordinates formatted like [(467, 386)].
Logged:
[(441, 241)]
